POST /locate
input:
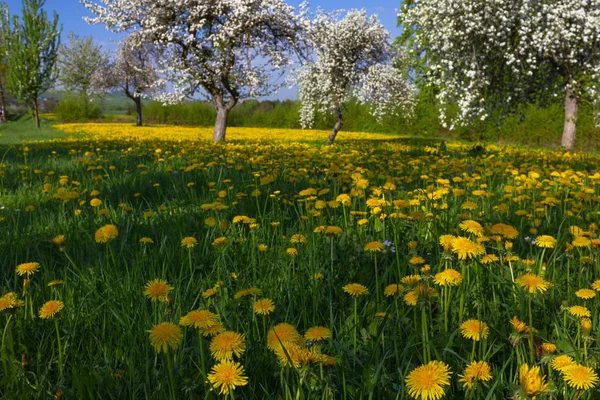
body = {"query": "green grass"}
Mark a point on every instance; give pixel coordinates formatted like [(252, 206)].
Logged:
[(282, 197), (22, 128)]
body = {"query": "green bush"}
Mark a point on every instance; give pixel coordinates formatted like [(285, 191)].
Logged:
[(78, 108)]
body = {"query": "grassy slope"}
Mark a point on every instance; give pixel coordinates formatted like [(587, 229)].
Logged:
[(21, 128)]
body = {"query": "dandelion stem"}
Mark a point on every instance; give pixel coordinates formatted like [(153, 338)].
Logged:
[(60, 354), (170, 372), (532, 354)]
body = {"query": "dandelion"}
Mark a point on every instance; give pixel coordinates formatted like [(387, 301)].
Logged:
[(164, 336), (200, 319), (219, 242), (333, 230), (146, 240), (374, 247), (474, 329), (446, 241), (59, 240), (9, 301), (51, 308), (416, 260), (95, 202), (476, 371), (580, 377), (292, 251), (580, 311), (264, 306), (411, 298), (253, 291), (448, 277), (283, 333), (227, 375), (545, 241), (471, 226), (213, 329), (532, 283), (27, 269), (189, 242), (581, 241), (465, 248), (427, 382), (355, 289), (298, 238), (411, 280), (585, 294), (549, 348), (393, 289), (157, 290), (317, 334), (106, 233), (531, 382), (224, 345), (560, 363)]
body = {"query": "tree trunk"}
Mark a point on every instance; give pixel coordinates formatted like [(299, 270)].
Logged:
[(570, 128), (36, 114), (220, 123), (138, 111), (338, 125)]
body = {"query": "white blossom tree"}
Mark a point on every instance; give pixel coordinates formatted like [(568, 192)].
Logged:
[(353, 58), (484, 55), (226, 49), (134, 70)]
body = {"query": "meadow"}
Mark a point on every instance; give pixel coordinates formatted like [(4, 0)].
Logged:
[(151, 263)]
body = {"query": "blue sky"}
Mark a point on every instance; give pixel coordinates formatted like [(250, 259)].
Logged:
[(71, 14)]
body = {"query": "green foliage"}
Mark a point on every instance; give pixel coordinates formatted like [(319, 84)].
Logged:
[(19, 128), (78, 108), (32, 51)]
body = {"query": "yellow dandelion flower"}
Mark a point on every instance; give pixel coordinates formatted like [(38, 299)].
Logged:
[(427, 382), (59, 240), (220, 241), (476, 371), (106, 233), (212, 329), (545, 241), (298, 238), (393, 289), (580, 311), (489, 258), (333, 230), (374, 247), (549, 348), (264, 306), (157, 290), (189, 242), (210, 292), (226, 344), (531, 382), (474, 329), (199, 319), (9, 301), (146, 240), (27, 268), (411, 280), (317, 334), (411, 298), (585, 294), (560, 363), (355, 289), (465, 248), (95, 202), (581, 241), (446, 241), (292, 251), (282, 333), (164, 336), (580, 377), (532, 283), (51, 308), (586, 326), (448, 277), (253, 291), (416, 260), (227, 375), (471, 226)]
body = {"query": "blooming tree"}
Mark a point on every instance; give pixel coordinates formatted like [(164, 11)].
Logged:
[(485, 55), (134, 70), (226, 49), (352, 58)]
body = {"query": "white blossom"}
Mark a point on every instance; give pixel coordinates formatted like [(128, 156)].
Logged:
[(352, 59)]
